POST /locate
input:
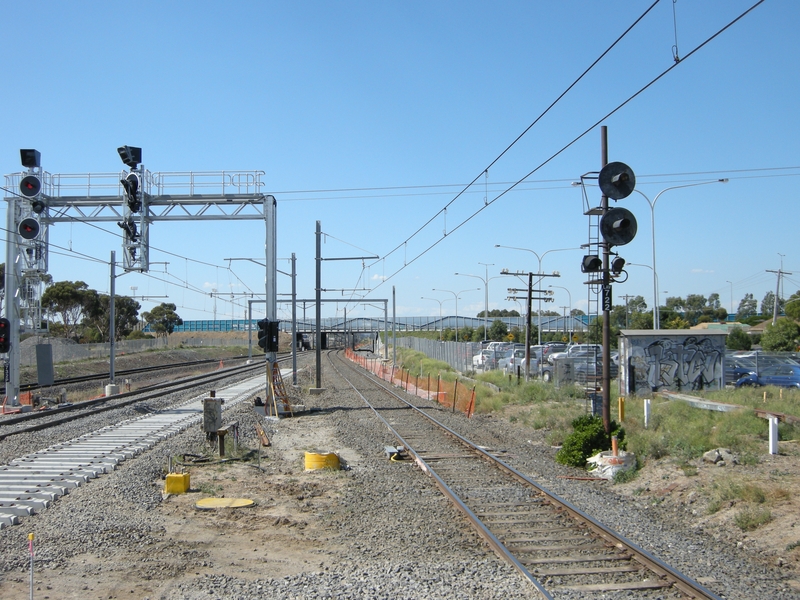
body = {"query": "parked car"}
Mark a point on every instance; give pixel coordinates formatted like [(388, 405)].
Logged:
[(544, 351), (512, 360), (576, 350), (479, 360), (737, 368), (742, 365), (534, 371), (778, 375), (591, 371)]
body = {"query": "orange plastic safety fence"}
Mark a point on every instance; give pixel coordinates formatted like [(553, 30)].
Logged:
[(451, 394)]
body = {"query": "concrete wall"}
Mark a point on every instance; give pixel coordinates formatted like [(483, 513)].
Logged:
[(671, 360)]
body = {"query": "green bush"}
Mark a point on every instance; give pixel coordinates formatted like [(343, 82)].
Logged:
[(587, 439)]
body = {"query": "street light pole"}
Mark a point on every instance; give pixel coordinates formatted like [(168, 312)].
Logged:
[(486, 287), (731, 295), (456, 295), (486, 303), (570, 305), (656, 315), (655, 278), (440, 313)]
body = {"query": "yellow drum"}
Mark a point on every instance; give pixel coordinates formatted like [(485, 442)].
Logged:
[(321, 460)]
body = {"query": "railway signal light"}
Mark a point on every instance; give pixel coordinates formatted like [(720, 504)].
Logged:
[(30, 158), (5, 335), (262, 334), (272, 336), (617, 265), (618, 226), (129, 227), (268, 335), (131, 156), (591, 264), (28, 228), (616, 180), (131, 186), (30, 186)]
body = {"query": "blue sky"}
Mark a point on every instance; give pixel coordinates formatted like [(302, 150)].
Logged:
[(372, 117)]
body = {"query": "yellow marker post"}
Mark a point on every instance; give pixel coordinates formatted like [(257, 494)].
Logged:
[(621, 408), (30, 549)]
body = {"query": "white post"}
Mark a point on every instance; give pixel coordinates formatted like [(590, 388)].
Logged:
[(773, 434), (646, 412)]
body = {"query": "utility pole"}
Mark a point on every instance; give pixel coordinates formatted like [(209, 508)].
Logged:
[(529, 300), (627, 298), (780, 272)]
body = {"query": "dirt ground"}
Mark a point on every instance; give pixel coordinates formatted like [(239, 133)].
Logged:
[(275, 537), (687, 496)]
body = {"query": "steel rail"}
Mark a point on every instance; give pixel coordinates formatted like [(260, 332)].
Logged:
[(84, 409), (28, 387), (495, 544), (678, 580), (31, 483)]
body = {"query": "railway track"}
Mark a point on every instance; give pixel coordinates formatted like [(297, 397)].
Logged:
[(558, 548), (67, 381), (31, 483), (63, 413)]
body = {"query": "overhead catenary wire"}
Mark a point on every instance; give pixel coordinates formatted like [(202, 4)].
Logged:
[(521, 135), (565, 147)]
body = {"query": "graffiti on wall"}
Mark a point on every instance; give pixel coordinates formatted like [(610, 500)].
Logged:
[(691, 363)]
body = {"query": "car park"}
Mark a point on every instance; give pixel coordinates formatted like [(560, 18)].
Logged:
[(783, 375)]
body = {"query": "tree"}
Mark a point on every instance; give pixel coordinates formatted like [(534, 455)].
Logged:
[(793, 306), (499, 313), (694, 305), (768, 304), (498, 331), (68, 299), (126, 313), (747, 307), (738, 340), (163, 319), (783, 336), (714, 302), (642, 320), (676, 322)]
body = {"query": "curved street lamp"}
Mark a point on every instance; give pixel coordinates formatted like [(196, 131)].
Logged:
[(656, 316), (485, 281), (456, 295), (440, 313), (570, 305), (655, 277)]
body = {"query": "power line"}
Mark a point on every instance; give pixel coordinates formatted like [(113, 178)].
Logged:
[(565, 147), (493, 162)]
